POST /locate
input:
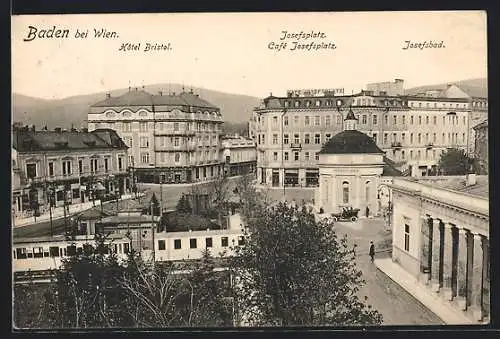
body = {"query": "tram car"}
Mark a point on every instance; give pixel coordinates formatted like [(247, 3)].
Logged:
[(46, 253)]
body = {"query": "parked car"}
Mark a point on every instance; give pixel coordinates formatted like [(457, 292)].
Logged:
[(348, 214)]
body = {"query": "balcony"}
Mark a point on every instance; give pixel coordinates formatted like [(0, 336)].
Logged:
[(172, 132), (296, 146), (396, 145), (429, 145)]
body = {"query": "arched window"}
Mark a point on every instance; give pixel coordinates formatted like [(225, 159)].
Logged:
[(368, 191), (345, 192)]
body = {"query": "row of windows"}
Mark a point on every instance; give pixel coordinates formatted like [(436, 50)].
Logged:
[(177, 157), (145, 113), (414, 138), (161, 126), (58, 251), (364, 119), (67, 167), (193, 243)]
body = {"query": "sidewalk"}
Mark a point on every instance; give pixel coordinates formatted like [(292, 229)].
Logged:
[(58, 212), (432, 301)]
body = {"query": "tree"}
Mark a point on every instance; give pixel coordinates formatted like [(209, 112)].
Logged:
[(294, 271), (183, 205), (155, 205), (455, 162)]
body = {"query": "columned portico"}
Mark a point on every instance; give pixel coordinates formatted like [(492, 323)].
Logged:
[(447, 261), (462, 269), (436, 268), (477, 277)]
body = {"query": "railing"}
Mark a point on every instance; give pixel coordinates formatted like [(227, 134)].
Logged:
[(396, 144), (429, 145), (295, 146)]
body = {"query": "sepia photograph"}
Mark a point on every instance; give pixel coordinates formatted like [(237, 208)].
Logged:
[(249, 170)]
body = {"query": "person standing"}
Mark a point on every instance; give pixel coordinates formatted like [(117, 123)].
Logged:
[(372, 250), (367, 211)]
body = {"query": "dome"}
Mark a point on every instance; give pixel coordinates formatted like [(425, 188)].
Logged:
[(350, 142)]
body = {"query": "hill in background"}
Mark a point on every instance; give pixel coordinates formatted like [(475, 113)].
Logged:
[(236, 108)]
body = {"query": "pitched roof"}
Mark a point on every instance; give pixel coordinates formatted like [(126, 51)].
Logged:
[(350, 141), (390, 170), (350, 115), (27, 140), (143, 98)]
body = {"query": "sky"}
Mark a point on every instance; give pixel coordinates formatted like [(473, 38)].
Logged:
[(230, 52)]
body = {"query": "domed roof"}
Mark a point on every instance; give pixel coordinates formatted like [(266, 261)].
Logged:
[(350, 141)]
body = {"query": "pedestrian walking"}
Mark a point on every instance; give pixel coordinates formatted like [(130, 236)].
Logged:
[(367, 211), (372, 250)]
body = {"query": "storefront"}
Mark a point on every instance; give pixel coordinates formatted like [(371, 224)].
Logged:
[(312, 177), (291, 177)]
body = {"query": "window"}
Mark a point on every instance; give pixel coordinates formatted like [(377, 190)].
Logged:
[(404, 119), (192, 243), (318, 103), (106, 164), (411, 154), (386, 120), (145, 158), (418, 154), (38, 252), (275, 121), (339, 119), (434, 154), (402, 154), (363, 119), (285, 139), (275, 156), (426, 137), (126, 127), (375, 137), (427, 120), (296, 139), (444, 120), (316, 156), (177, 141), (66, 167), (327, 136), (374, 119), (463, 137), (144, 142), (177, 244), (395, 120), (177, 157), (306, 155), (241, 240), (407, 237), (80, 166), (54, 251), (275, 139), (143, 126), (434, 119), (285, 121), (295, 119), (161, 245), (306, 120), (224, 241), (464, 119), (385, 138), (419, 138), (403, 138), (208, 242), (394, 137), (328, 120), (31, 170), (306, 138), (317, 120), (420, 120), (93, 165), (367, 191), (345, 192), (287, 103), (120, 163), (296, 156), (51, 169), (411, 120), (317, 139), (286, 156), (21, 253), (176, 126)]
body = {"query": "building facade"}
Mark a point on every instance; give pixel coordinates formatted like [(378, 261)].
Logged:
[(413, 130), (65, 167), (441, 237), (239, 155), (481, 146), (172, 138)]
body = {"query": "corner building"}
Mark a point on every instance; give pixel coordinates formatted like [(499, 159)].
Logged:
[(412, 129), (172, 138)]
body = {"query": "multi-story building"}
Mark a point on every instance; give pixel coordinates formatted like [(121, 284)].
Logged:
[(481, 146), (171, 138), (65, 167), (239, 155), (412, 130)]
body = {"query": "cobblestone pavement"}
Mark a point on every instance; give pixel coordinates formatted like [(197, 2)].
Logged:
[(396, 305)]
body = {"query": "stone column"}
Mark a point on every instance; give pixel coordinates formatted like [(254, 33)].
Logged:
[(424, 252), (447, 261), (463, 249), (477, 278), (436, 242)]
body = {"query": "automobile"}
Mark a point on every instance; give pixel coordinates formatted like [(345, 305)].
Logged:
[(348, 214)]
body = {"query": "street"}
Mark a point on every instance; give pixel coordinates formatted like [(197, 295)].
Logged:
[(396, 305)]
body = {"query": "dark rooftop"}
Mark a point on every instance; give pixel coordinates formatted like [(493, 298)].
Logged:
[(390, 169), (350, 141)]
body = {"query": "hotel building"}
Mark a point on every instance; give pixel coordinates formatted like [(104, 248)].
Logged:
[(172, 138), (239, 155), (412, 129)]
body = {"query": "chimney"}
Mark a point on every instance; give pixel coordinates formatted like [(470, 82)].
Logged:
[(108, 95), (57, 129), (470, 179)]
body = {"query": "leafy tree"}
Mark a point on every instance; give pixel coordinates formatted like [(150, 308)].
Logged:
[(294, 271), (183, 205), (30, 309), (455, 162)]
